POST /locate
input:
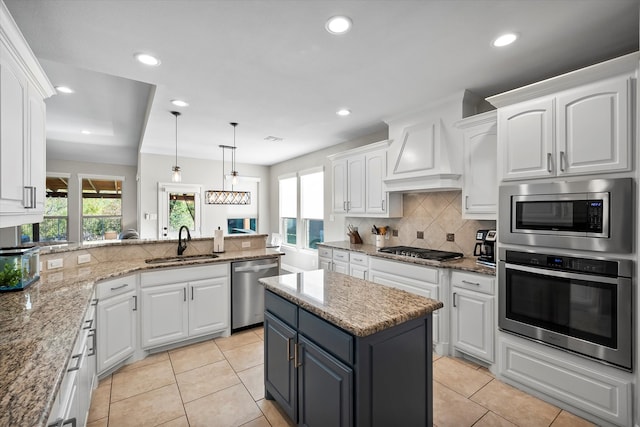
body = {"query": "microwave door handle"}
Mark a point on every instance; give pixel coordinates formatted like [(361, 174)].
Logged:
[(563, 274)]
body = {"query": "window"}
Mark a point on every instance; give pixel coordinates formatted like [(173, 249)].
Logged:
[(241, 226), (312, 208), (308, 219), (54, 225), (101, 208), (289, 209)]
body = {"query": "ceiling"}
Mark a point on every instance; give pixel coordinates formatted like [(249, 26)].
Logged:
[(271, 66)]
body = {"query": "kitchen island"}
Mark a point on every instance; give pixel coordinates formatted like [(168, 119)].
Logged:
[(343, 351)]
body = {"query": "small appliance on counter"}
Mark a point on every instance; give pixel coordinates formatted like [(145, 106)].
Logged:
[(19, 267), (485, 248)]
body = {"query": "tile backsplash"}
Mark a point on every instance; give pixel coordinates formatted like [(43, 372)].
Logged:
[(434, 214)]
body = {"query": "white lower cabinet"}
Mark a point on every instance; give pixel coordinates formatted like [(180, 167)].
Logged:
[(599, 393), (165, 315), (117, 321), (472, 314), (355, 264), (71, 405), (419, 280), (178, 304)]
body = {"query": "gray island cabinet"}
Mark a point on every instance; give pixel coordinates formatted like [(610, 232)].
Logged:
[(341, 351)]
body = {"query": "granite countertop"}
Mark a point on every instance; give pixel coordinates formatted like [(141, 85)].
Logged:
[(355, 305), (465, 264), (41, 323)]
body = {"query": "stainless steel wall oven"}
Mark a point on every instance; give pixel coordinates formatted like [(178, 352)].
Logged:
[(580, 304)]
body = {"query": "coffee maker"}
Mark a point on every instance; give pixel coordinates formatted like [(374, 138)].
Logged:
[(485, 247)]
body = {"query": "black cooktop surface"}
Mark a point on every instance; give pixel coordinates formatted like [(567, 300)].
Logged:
[(423, 253)]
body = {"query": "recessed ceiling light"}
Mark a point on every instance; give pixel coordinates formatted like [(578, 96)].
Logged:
[(179, 103), (146, 59), (338, 24), (505, 39), (64, 89), (85, 132), (343, 112)]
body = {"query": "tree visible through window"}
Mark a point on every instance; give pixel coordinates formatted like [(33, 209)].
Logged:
[(182, 211), (54, 225), (101, 208)]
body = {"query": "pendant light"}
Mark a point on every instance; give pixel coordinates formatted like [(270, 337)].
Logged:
[(224, 197), (234, 172), (176, 175)]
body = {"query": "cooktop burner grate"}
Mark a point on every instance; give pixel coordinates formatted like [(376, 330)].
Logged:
[(423, 253)]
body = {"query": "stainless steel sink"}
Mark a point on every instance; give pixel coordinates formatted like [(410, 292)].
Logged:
[(179, 258)]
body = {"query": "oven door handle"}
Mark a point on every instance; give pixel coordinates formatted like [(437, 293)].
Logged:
[(563, 274)]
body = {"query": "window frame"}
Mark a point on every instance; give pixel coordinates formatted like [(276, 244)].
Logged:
[(302, 223)]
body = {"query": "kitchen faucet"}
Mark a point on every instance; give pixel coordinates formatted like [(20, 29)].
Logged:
[(183, 246)]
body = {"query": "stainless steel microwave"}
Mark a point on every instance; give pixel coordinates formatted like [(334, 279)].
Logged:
[(593, 215)]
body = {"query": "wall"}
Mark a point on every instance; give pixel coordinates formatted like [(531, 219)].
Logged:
[(74, 168), (207, 173), (433, 213), (334, 225)]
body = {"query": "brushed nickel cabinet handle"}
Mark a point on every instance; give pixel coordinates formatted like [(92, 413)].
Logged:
[(471, 283), (289, 357), (454, 299), (120, 287), (184, 293), (135, 303), (92, 334), (562, 160), (296, 356), (549, 162)]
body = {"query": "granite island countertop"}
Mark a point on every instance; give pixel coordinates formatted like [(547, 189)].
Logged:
[(41, 323), (358, 306), (464, 264)]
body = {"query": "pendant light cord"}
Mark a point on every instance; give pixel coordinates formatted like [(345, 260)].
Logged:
[(176, 114)]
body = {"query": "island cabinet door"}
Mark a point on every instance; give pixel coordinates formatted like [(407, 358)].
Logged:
[(280, 371), (325, 387)]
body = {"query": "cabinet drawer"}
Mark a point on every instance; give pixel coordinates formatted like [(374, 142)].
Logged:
[(183, 275), (474, 282), (341, 256), (325, 252), (359, 259), (286, 311), (405, 269), (332, 339), (115, 287)]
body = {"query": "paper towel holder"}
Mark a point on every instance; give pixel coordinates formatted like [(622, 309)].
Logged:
[(217, 245)]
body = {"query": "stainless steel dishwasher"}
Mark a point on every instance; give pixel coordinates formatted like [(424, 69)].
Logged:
[(247, 294)]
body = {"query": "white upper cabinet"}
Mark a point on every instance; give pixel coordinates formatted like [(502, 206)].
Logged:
[(480, 178), (23, 88), (575, 124), (358, 187), (593, 124), (526, 135)]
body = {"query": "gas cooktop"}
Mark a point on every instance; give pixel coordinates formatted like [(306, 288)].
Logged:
[(431, 254)]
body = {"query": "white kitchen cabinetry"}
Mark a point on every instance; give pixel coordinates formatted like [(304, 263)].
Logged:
[(599, 393), (352, 263), (183, 303), (340, 261), (117, 321), (420, 280), (71, 405), (479, 178), (359, 265), (472, 314), (325, 258), (358, 183), (575, 124), (23, 88)]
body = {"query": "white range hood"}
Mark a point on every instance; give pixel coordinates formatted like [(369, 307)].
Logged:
[(426, 152)]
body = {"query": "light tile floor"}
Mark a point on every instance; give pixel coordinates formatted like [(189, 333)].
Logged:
[(220, 383)]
